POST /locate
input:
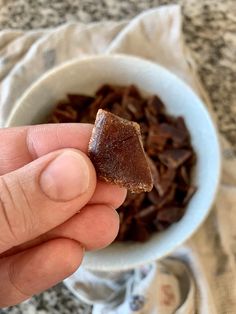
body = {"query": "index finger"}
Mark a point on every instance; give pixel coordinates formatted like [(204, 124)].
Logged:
[(21, 145)]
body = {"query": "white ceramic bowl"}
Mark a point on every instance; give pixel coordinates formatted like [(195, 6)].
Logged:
[(85, 76)]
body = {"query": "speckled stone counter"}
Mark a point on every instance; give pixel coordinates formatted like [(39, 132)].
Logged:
[(210, 31)]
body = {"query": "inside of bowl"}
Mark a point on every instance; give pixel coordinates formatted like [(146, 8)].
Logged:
[(85, 77)]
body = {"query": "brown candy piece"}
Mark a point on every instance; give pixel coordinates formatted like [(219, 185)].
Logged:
[(117, 153)]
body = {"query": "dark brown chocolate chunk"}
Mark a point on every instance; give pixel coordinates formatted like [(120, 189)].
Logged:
[(152, 119), (104, 90), (131, 91), (161, 225), (138, 232), (168, 197), (80, 101), (113, 139), (64, 113), (166, 180), (180, 125), (167, 142), (125, 223), (160, 201), (161, 180), (147, 214), (155, 173), (154, 197), (170, 214), (110, 99), (190, 193), (119, 110), (134, 107), (155, 105), (184, 175), (177, 136), (155, 142), (174, 158), (181, 193)]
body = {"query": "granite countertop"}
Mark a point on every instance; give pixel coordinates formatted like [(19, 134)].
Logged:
[(209, 28)]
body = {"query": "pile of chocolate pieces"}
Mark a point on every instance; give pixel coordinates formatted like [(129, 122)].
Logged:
[(167, 143)]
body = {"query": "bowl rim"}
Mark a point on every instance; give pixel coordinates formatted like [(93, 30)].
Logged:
[(203, 108)]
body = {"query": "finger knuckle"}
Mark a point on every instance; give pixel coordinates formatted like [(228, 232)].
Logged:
[(73, 256), (13, 279), (16, 212)]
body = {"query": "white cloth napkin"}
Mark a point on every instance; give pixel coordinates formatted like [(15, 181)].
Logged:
[(200, 276)]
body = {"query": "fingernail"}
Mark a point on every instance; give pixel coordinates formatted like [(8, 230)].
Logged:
[(66, 177)]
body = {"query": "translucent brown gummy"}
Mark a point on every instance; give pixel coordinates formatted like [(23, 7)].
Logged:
[(168, 144), (117, 153)]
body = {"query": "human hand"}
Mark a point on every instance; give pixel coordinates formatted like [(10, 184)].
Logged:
[(51, 207)]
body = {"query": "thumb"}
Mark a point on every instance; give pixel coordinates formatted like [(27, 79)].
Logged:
[(43, 194)]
